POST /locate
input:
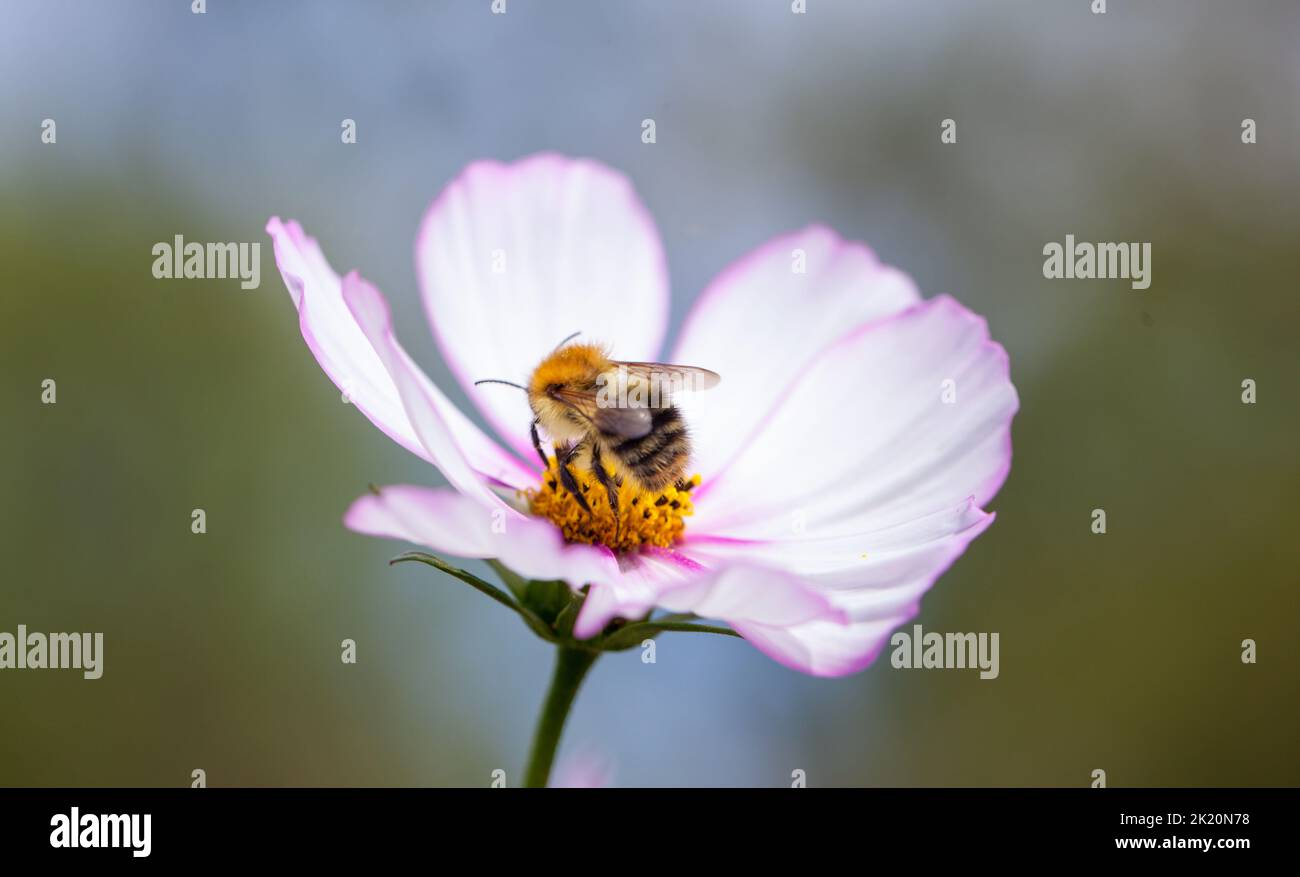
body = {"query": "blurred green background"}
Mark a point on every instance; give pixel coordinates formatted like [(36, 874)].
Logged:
[(1119, 651)]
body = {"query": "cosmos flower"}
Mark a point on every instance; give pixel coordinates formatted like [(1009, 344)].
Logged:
[(843, 461)]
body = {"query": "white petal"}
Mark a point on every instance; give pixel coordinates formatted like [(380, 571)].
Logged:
[(864, 482), (875, 579), (632, 592), (883, 557), (422, 405), (735, 593), (823, 648), (454, 524), (865, 438), (512, 258), (761, 322), (347, 357)]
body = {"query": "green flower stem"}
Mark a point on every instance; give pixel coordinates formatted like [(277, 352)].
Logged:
[(571, 666), (550, 609)]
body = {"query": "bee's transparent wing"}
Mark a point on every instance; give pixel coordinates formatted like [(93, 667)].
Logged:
[(666, 379)]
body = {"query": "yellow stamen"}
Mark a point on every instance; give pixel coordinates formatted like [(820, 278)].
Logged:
[(644, 518)]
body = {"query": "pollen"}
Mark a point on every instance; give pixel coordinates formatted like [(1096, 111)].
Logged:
[(644, 518)]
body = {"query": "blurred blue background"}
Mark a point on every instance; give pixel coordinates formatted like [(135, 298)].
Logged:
[(1118, 652)]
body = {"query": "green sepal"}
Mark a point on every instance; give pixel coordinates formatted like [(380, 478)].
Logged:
[(536, 624), (550, 608), (637, 633), (517, 584), (548, 599)]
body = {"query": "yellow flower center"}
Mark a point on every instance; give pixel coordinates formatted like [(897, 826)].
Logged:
[(644, 518)]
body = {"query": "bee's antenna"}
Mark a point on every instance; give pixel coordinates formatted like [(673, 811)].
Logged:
[(495, 381), (566, 341)]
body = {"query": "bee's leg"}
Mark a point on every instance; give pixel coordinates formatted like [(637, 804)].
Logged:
[(611, 489), (570, 483), (537, 445)]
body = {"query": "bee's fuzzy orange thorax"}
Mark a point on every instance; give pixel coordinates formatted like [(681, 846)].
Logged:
[(573, 364)]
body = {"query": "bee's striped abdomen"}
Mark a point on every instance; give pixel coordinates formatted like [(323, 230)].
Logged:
[(659, 457)]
